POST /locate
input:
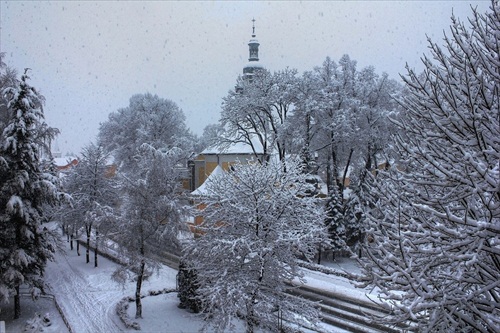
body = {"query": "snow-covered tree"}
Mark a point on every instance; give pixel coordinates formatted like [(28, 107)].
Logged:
[(8, 78), (334, 103), (187, 287), (354, 217), (352, 107), (27, 192), (377, 101), (346, 113), (259, 109), (210, 137), (148, 119), (435, 219), (153, 214), (304, 121), (256, 224), (94, 193), (335, 220)]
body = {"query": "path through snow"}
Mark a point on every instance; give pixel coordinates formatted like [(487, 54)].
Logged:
[(86, 294)]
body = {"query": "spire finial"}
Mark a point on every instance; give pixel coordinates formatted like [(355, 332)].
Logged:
[(253, 27)]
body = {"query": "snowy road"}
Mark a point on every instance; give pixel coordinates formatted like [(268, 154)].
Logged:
[(85, 294), (88, 297)]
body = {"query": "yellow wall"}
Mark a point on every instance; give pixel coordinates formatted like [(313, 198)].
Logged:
[(227, 165), (202, 175), (210, 167)]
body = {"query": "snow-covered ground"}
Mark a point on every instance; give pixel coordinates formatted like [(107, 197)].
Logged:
[(28, 309), (337, 284), (88, 298)]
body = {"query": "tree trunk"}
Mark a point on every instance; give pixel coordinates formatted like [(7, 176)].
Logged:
[(280, 320), (368, 164), (71, 242), (329, 180), (251, 322), (17, 304), (335, 169), (250, 325), (78, 247), (319, 254), (88, 246), (344, 176), (96, 245), (138, 304)]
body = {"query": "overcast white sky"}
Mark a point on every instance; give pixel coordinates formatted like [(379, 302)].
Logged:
[(89, 57)]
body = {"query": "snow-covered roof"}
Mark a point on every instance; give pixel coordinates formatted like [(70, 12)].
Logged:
[(202, 189), (236, 148), (63, 161), (254, 64)]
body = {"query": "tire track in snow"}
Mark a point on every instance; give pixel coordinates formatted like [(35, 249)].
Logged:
[(87, 308)]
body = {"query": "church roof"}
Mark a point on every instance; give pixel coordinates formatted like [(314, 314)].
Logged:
[(254, 64), (202, 190)]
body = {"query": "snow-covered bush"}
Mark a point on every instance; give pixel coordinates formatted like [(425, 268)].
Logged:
[(123, 305), (37, 323), (121, 311)]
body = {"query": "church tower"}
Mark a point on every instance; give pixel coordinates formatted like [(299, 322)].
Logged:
[(253, 60)]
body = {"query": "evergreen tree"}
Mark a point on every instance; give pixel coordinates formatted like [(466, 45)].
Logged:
[(359, 200), (27, 192), (8, 78), (335, 221), (309, 168), (188, 288)]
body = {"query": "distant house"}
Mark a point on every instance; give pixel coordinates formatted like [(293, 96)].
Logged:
[(111, 170), (203, 164), (211, 163), (198, 195), (64, 164)]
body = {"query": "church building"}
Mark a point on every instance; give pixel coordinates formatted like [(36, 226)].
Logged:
[(217, 156)]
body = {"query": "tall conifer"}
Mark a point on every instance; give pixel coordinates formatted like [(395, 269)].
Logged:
[(27, 191)]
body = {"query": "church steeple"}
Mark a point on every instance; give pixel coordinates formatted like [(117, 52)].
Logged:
[(253, 60), (253, 45)]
